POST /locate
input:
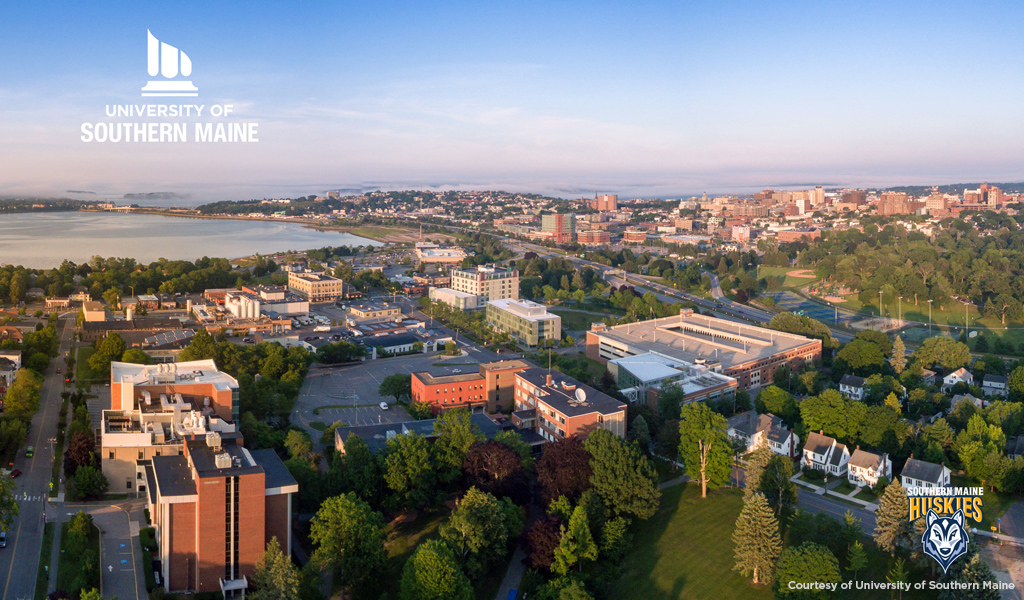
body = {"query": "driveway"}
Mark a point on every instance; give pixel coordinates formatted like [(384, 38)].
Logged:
[(121, 552)]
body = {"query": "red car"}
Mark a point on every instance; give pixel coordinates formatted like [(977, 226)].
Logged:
[(15, 473)]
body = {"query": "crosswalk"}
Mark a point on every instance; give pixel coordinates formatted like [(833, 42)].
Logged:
[(27, 498)]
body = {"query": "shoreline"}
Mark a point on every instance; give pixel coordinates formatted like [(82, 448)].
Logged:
[(309, 224)]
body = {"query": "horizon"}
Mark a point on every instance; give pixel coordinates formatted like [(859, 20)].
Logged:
[(660, 101)]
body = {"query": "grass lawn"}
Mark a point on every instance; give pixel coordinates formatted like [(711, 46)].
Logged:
[(994, 504), (786, 281), (685, 550), (578, 321), (83, 372), (402, 541), (44, 561), (666, 470), (844, 488), (69, 565)]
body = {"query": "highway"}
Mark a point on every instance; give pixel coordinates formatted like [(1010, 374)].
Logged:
[(19, 561)]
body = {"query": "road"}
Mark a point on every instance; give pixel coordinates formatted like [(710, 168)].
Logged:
[(813, 503), (24, 541)]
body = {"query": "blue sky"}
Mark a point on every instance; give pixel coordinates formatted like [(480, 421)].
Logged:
[(663, 98)]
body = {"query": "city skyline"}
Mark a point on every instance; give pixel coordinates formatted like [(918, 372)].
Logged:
[(659, 100)]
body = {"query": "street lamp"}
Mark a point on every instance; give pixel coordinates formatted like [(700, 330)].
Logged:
[(900, 310), (929, 317), (879, 303)]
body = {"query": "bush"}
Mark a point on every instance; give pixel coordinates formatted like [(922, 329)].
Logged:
[(879, 489), (814, 474)]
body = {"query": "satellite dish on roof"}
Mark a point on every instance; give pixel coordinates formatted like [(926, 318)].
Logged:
[(581, 396)]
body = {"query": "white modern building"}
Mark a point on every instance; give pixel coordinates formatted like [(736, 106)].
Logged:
[(529, 323)]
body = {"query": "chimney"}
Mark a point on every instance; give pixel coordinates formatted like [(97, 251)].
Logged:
[(821, 432), (858, 447), (549, 380)]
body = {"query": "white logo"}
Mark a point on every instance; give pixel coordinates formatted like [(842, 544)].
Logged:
[(163, 60), (945, 538)]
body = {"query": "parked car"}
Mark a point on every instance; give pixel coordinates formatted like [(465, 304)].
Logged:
[(383, 405), (3, 539), (58, 371), (15, 473), (29, 452)]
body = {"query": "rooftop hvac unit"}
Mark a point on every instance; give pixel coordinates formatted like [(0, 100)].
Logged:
[(213, 439), (222, 460)]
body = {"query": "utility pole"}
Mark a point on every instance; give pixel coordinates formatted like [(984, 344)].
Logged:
[(929, 317)]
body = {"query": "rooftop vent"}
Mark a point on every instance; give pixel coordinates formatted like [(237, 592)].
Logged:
[(222, 460), (213, 439)]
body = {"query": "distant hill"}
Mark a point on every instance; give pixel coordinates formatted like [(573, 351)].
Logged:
[(954, 188)]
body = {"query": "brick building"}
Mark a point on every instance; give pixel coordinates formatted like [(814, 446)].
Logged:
[(315, 287), (556, 406), (214, 508), (488, 390), (747, 353)]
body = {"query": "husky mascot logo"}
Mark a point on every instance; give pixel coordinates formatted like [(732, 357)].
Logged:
[(945, 538)]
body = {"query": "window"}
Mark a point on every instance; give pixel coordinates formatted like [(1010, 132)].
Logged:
[(110, 455), (142, 454), (128, 484)]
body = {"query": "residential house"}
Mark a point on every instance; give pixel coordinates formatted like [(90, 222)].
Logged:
[(961, 375), (928, 376), (852, 387), (825, 453), (755, 429), (865, 468), (922, 474), (995, 385), (957, 399)]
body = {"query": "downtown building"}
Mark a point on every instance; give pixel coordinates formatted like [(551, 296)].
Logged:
[(748, 354), (559, 228), (488, 390), (528, 323), (315, 287), (473, 288)]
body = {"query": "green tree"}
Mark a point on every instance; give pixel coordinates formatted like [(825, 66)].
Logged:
[(621, 475), (777, 401), (640, 433), (481, 529), (397, 386), (893, 402), (898, 573), (409, 471), (136, 356), (349, 538), (832, 413), (704, 446), (9, 507), (577, 543), (857, 557), (275, 578), (972, 571), (455, 434), (298, 444), (756, 463), (22, 399), (862, 356), (757, 540), (111, 348), (94, 594), (892, 527), (202, 347), (806, 563), (90, 483), (433, 573), (898, 360), (942, 350), (776, 484)]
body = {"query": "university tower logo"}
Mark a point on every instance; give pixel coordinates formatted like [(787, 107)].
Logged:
[(167, 61)]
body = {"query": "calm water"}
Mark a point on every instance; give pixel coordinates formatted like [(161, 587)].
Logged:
[(43, 240)]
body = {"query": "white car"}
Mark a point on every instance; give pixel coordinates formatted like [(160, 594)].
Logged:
[(456, 370), (383, 405)]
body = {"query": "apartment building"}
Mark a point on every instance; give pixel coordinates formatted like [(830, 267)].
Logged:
[(747, 353), (594, 237), (556, 406), (525, 321), (560, 228), (155, 408), (315, 287), (487, 282), (214, 508)]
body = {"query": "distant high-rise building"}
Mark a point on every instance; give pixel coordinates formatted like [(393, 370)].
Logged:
[(562, 227), (896, 203), (858, 197), (817, 196), (605, 202)]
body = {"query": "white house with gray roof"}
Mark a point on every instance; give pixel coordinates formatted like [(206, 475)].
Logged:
[(923, 474), (852, 387), (754, 429), (995, 385), (865, 468), (825, 453)]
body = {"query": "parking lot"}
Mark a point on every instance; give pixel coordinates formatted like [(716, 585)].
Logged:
[(350, 394)]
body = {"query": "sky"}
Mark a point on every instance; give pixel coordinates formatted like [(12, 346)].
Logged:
[(640, 99)]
